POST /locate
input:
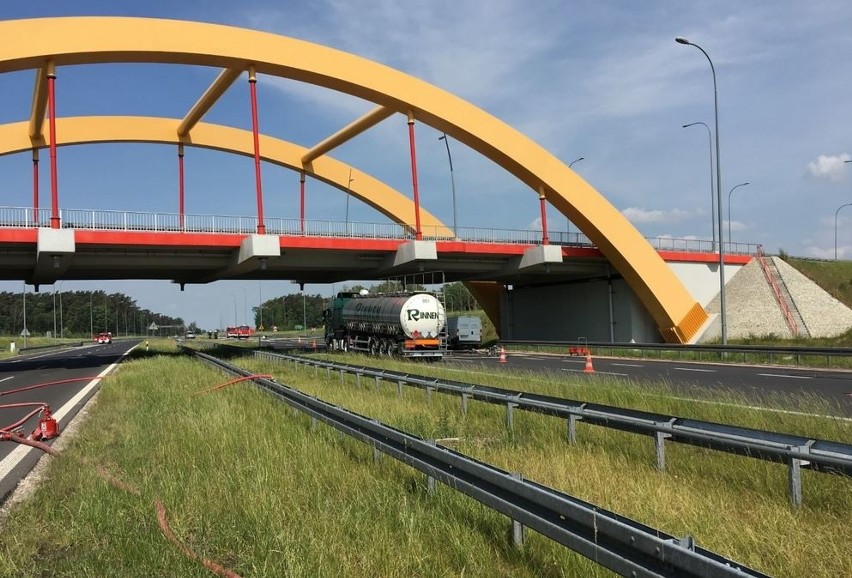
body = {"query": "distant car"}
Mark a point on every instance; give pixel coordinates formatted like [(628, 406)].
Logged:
[(105, 337), (190, 335)]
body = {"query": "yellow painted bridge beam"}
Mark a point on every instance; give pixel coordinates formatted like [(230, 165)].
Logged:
[(28, 44), (114, 129)]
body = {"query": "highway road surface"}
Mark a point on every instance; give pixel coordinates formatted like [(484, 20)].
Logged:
[(756, 381), (91, 362)]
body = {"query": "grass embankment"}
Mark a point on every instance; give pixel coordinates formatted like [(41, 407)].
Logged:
[(253, 487)]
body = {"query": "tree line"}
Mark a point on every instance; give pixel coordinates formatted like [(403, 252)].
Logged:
[(78, 313)]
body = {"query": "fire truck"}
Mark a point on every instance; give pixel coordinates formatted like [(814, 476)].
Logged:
[(239, 332)]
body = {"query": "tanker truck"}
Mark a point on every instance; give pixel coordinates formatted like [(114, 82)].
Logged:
[(403, 324)]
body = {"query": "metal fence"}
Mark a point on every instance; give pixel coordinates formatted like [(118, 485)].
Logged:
[(109, 220), (615, 542), (796, 451)]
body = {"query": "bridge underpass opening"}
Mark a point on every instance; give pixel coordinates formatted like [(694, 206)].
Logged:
[(97, 39)]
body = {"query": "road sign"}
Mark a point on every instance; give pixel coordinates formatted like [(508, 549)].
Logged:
[(25, 332), (153, 327)]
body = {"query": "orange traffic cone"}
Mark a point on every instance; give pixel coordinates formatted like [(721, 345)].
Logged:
[(502, 358), (589, 368)]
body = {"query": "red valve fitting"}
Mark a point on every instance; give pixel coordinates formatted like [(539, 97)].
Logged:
[(47, 428)]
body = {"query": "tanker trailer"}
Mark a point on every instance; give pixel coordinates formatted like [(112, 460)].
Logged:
[(405, 324)]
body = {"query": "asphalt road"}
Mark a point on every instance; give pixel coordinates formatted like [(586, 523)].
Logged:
[(756, 381), (64, 399)]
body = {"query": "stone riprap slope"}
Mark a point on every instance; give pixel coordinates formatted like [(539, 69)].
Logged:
[(751, 306), (824, 316)]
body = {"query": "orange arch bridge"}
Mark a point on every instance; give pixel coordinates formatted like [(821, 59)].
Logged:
[(47, 43)]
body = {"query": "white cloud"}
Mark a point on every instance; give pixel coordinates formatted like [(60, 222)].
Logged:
[(639, 215), (829, 166)]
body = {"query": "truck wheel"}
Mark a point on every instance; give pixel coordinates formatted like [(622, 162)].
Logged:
[(373, 346)]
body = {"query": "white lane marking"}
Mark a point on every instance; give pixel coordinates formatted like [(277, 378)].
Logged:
[(19, 453), (628, 364), (694, 369), (754, 407), (787, 376), (597, 372), (7, 378)]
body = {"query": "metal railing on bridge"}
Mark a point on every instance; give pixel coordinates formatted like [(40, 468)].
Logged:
[(111, 220)]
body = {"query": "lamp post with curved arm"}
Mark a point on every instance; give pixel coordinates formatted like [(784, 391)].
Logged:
[(444, 138), (835, 227), (730, 240), (722, 304), (567, 220), (712, 201)]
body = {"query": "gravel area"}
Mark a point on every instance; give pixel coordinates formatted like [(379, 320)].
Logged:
[(752, 309), (751, 306), (824, 316)]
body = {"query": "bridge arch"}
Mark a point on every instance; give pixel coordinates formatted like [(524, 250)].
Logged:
[(87, 40), (113, 129)]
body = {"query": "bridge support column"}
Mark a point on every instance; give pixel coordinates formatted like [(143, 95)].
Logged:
[(180, 186), (541, 201), (54, 181), (418, 234), (261, 228), (35, 187), (302, 202)]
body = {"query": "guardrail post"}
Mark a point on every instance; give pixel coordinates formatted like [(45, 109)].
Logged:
[(357, 380), (377, 454), (572, 427), (430, 481), (660, 449), (517, 527), (378, 381), (313, 423), (428, 394), (794, 476), (464, 398), (399, 388), (341, 377), (510, 421)]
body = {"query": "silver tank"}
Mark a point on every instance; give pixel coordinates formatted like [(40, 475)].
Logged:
[(414, 315)]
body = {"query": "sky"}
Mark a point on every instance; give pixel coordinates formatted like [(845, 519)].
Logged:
[(599, 79)]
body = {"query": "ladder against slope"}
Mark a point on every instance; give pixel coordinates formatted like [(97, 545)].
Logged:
[(782, 294)]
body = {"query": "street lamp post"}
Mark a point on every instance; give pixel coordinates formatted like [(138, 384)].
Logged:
[(712, 201), (452, 182), (304, 314), (245, 306), (348, 185), (722, 304), (835, 227), (567, 220), (730, 239), (25, 332), (54, 311)]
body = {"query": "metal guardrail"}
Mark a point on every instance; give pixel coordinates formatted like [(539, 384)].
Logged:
[(615, 542), (108, 220), (796, 451), (719, 351)]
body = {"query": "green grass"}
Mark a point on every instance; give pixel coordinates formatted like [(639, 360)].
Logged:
[(254, 487)]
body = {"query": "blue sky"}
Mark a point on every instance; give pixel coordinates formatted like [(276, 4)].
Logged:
[(601, 79)]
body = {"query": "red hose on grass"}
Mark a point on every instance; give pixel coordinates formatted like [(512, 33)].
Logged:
[(49, 383)]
